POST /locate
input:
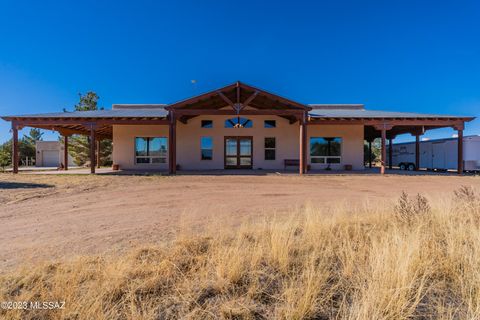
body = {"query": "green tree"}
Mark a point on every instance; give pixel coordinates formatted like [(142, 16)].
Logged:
[(6, 154), (79, 145), (33, 136)]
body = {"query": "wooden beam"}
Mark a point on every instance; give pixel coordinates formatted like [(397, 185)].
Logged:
[(92, 149), (65, 152), (50, 122), (225, 98), (390, 153), (417, 152), (172, 141), (250, 99), (384, 150), (460, 151), (15, 147), (303, 146), (391, 122), (198, 112)]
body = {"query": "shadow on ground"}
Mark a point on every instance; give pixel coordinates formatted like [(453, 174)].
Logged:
[(23, 185)]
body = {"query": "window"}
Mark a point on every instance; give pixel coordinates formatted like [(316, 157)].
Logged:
[(151, 150), (206, 146), (238, 123), (270, 148), (325, 150), (270, 124), (207, 124)]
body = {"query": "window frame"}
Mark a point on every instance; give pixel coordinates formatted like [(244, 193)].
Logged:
[(201, 148), (269, 127), (206, 127), (326, 159), (237, 121), (150, 157), (269, 148)]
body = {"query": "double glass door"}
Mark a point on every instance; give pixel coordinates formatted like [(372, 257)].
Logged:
[(238, 152)]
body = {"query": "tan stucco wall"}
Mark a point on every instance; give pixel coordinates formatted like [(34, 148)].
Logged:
[(352, 144), (124, 145), (188, 142), (189, 135)]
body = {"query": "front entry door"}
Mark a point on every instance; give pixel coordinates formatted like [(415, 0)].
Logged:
[(238, 152)]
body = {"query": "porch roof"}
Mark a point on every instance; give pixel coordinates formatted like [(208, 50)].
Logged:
[(242, 99)]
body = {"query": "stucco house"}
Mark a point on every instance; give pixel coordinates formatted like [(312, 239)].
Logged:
[(237, 127)]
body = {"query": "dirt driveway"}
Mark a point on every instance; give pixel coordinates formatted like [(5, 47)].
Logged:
[(49, 216)]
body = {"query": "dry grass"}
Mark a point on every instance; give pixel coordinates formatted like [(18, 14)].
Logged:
[(413, 260)]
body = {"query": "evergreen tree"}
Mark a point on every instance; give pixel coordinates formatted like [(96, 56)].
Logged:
[(79, 145), (6, 154), (33, 136)]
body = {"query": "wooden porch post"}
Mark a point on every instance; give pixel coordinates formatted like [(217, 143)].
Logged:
[(92, 149), (384, 151), (303, 145), (417, 152), (172, 139), (369, 153), (15, 147), (383, 129), (98, 153), (390, 153), (460, 148), (65, 152)]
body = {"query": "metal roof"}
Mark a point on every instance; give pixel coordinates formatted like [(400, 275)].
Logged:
[(362, 113), (160, 112), (117, 113)]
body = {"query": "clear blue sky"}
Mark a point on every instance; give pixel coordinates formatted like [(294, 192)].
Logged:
[(389, 55)]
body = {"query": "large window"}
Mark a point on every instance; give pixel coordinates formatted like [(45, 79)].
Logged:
[(151, 150), (270, 146), (238, 123), (206, 146), (325, 150)]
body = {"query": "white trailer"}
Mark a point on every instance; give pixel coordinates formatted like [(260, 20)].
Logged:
[(439, 154)]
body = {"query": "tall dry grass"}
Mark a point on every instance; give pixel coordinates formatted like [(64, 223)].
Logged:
[(413, 260)]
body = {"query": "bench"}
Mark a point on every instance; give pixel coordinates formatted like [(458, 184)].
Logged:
[(290, 163)]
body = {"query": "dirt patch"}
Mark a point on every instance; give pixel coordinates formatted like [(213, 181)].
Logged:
[(49, 216)]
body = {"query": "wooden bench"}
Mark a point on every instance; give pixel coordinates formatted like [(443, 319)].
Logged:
[(290, 163)]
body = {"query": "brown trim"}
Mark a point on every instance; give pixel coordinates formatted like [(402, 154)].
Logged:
[(87, 121), (390, 122), (198, 112), (236, 87), (238, 156)]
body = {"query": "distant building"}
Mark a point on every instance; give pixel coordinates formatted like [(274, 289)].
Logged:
[(50, 154)]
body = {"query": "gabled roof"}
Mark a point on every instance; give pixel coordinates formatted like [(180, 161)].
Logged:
[(238, 93)]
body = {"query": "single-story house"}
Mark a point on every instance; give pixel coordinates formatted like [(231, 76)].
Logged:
[(237, 126)]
